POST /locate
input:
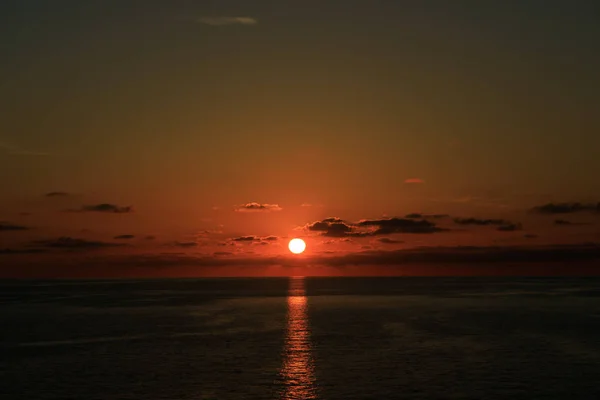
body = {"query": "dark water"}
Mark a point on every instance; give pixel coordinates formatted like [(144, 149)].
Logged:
[(314, 338)]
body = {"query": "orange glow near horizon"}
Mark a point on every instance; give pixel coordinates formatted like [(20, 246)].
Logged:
[(297, 371)]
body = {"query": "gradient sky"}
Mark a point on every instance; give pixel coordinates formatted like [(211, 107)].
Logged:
[(186, 111)]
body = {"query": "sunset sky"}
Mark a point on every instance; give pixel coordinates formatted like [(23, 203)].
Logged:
[(194, 138)]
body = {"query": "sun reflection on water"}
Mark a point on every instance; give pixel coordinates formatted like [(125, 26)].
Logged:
[(297, 371)]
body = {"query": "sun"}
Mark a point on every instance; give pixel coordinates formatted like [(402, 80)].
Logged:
[(297, 246)]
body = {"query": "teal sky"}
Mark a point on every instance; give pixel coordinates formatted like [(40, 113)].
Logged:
[(186, 110)]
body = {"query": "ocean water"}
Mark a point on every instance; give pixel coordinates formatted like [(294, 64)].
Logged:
[(301, 338)]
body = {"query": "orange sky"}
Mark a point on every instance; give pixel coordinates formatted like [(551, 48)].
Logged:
[(139, 139)]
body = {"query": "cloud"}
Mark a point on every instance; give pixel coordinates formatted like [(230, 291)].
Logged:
[(333, 227), (565, 208), (477, 221), (401, 225), (105, 208), (336, 227), (186, 244), (13, 150), (510, 227), (245, 239), (563, 222), (6, 226), (257, 239), (387, 240), (530, 236), (150, 237), (21, 251), (222, 21), (257, 207), (73, 243), (414, 181), (124, 237), (57, 194)]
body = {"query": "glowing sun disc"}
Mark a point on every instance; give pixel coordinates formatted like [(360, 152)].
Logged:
[(297, 246)]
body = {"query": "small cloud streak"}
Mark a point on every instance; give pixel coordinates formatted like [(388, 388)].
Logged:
[(414, 181), (18, 151), (257, 207), (401, 225), (256, 239), (124, 237), (57, 194), (186, 244), (223, 21), (510, 227), (74, 243), (477, 221), (105, 208), (565, 208), (7, 226)]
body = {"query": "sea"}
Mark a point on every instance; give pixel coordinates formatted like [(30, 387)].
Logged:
[(300, 338)]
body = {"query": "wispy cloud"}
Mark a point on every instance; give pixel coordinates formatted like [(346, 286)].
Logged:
[(57, 194), (124, 237), (105, 208), (13, 150), (566, 208), (257, 207), (414, 180), (258, 239), (221, 21), (6, 226), (73, 243)]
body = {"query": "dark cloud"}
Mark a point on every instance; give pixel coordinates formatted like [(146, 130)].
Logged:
[(510, 227), (73, 243), (124, 237), (245, 239), (105, 208), (255, 239), (387, 240), (22, 251), (186, 244), (24, 214), (530, 236), (7, 226), (400, 225), (150, 237), (563, 222), (566, 208), (57, 194), (257, 207), (334, 227), (477, 221)]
